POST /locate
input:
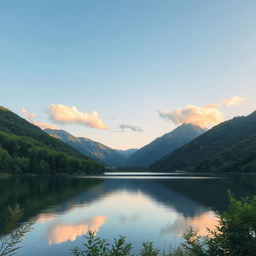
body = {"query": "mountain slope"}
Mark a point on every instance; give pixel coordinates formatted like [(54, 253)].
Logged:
[(227, 147), (24, 147), (127, 153), (164, 145), (90, 148)]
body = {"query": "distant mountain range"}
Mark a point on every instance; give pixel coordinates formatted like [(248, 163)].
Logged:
[(131, 157), (92, 148), (164, 145), (25, 148), (227, 147)]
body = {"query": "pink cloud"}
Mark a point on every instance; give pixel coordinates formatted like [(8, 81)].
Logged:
[(71, 115), (63, 232), (234, 101), (31, 116), (191, 114)]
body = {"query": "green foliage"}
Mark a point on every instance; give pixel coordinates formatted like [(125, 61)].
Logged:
[(235, 235), (25, 148), (228, 147), (149, 250), (99, 247), (193, 245), (236, 232), (13, 235)]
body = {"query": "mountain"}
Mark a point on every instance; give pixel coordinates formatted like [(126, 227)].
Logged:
[(227, 147), (90, 148), (127, 153), (24, 148), (164, 145)]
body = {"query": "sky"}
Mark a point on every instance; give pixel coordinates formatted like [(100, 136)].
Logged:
[(123, 72)]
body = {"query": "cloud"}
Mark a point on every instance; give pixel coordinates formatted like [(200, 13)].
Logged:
[(31, 116), (124, 127), (71, 115), (63, 232), (234, 101), (44, 126), (191, 114)]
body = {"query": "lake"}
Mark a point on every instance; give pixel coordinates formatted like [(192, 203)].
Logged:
[(142, 207)]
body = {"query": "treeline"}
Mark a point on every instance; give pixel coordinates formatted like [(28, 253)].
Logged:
[(24, 155), (24, 148)]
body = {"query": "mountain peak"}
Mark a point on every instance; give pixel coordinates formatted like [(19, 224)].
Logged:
[(165, 144)]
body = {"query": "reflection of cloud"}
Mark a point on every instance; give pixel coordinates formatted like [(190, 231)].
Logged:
[(45, 217), (191, 114), (131, 218), (199, 224), (133, 128), (234, 101), (62, 232), (71, 115), (31, 116)]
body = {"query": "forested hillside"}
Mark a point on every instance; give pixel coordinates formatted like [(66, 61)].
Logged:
[(25, 148), (227, 147)]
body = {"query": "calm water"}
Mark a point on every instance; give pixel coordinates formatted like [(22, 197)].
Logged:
[(155, 208)]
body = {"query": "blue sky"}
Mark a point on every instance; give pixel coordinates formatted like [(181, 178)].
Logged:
[(127, 60)]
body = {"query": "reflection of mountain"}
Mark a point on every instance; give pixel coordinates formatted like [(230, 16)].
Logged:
[(66, 206), (188, 196), (35, 194)]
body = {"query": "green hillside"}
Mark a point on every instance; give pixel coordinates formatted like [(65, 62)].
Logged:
[(25, 148), (228, 147)]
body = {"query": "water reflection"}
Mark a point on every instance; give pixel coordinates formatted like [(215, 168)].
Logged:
[(62, 232), (200, 223), (141, 209)]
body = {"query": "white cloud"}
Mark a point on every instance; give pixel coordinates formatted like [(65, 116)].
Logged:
[(234, 101), (124, 127), (191, 114), (71, 115), (31, 116)]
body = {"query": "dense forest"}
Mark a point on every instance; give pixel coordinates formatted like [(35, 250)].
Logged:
[(25, 148), (228, 147)]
